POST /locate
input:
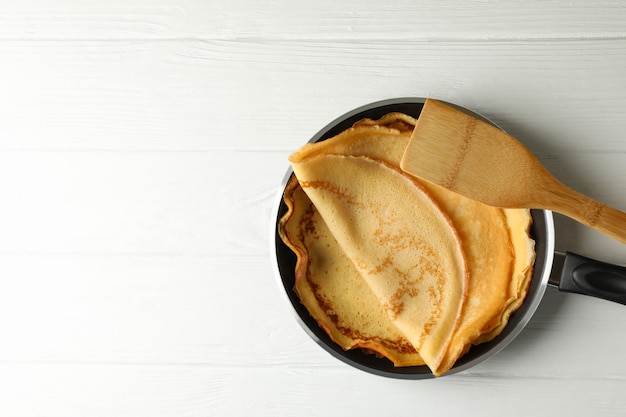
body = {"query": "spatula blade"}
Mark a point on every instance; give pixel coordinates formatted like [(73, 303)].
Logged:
[(469, 156)]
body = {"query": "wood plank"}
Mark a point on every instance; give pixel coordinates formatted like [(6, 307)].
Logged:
[(214, 312), (190, 204), (79, 390), (104, 390), (325, 19), (257, 95)]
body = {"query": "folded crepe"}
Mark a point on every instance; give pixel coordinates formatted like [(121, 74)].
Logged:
[(333, 290), (496, 249), (403, 246)]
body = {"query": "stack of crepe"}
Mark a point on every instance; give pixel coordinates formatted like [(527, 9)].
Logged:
[(394, 265)]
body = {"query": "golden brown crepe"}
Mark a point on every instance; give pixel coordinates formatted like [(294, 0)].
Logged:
[(333, 290), (518, 223), (404, 247), (495, 243)]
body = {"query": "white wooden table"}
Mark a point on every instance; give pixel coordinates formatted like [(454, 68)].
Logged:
[(141, 146)]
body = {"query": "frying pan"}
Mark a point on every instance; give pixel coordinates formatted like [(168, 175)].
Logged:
[(567, 271)]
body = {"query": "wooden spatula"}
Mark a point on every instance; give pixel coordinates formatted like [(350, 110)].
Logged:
[(471, 157)]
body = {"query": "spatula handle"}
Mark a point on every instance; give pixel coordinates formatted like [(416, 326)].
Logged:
[(611, 222), (590, 212)]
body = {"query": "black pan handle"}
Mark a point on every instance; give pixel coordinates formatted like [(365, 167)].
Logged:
[(587, 276)]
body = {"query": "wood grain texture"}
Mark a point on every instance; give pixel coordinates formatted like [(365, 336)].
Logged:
[(258, 95), (325, 19), (142, 144), (140, 203)]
